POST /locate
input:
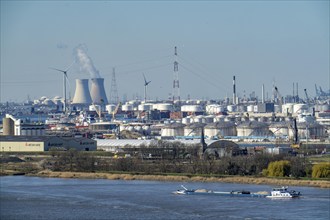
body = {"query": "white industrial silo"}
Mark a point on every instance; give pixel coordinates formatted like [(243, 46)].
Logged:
[(98, 92), (110, 108), (280, 128), (82, 95), (253, 128), (172, 129), (193, 129), (220, 128)]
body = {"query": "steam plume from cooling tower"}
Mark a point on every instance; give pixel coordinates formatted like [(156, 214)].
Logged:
[(85, 62)]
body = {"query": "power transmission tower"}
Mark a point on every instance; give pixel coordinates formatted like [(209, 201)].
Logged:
[(176, 85), (114, 99)]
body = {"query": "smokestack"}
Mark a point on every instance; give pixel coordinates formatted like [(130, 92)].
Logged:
[(263, 93), (234, 91), (82, 95), (297, 92), (98, 91)]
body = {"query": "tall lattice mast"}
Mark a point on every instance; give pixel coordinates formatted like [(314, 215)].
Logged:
[(176, 85), (114, 99)]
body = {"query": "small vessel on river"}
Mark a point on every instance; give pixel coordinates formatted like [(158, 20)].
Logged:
[(283, 193), (238, 193)]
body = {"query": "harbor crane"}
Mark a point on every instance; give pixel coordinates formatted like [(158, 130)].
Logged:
[(307, 98), (279, 97)]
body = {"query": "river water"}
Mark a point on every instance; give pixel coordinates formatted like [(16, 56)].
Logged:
[(34, 198)]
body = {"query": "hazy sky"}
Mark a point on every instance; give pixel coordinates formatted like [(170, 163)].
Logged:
[(260, 42)]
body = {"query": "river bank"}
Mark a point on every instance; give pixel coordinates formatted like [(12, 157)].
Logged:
[(183, 178)]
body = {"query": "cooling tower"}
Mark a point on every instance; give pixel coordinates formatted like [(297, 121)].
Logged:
[(98, 91), (82, 95)]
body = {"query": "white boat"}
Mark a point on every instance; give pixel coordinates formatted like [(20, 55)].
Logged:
[(282, 193), (184, 191)]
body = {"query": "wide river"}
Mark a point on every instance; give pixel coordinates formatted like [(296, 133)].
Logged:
[(34, 198)]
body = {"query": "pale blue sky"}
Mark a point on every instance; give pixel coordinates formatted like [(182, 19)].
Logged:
[(258, 41)]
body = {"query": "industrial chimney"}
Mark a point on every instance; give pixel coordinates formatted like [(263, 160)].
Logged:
[(98, 91), (82, 95), (234, 91)]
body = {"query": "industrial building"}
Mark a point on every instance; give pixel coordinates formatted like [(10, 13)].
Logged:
[(44, 143), (14, 126)]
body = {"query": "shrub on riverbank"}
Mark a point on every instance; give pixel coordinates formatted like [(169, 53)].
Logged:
[(321, 170)]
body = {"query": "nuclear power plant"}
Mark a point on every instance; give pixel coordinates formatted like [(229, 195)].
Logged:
[(82, 94), (98, 91)]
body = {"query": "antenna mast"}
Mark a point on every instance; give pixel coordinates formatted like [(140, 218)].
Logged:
[(176, 85), (114, 99)]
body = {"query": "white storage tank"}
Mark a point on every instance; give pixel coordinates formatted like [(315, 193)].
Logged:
[(220, 128), (277, 108), (214, 109), (250, 108), (199, 119), (191, 108), (173, 129), (144, 107), (219, 118), (94, 107), (253, 128), (127, 107), (110, 108), (48, 102), (209, 119), (310, 130), (194, 129), (280, 129), (186, 120), (287, 108), (299, 108), (163, 107), (231, 108)]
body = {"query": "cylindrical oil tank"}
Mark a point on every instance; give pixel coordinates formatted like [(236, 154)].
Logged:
[(191, 108), (209, 119), (138, 128), (219, 118), (144, 107), (8, 126), (94, 107), (231, 108), (287, 108), (220, 128), (163, 107), (241, 108), (310, 130), (123, 127), (186, 120), (194, 129), (280, 129), (250, 108), (23, 132), (214, 109), (322, 107), (127, 107), (253, 128), (146, 129), (299, 108), (277, 108), (173, 129), (110, 108), (28, 132)]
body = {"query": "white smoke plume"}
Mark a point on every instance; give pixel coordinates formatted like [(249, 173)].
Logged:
[(85, 62)]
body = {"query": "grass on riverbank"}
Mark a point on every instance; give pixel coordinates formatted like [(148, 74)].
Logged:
[(189, 178)]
